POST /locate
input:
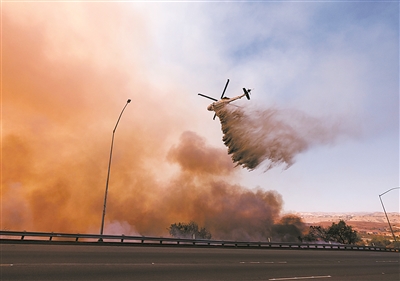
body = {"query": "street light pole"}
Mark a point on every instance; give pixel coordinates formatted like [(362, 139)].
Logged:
[(108, 173), (380, 198)]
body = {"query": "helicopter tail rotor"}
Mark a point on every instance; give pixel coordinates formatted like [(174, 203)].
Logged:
[(247, 93)]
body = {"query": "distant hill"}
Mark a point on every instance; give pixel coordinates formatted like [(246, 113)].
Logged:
[(365, 223)]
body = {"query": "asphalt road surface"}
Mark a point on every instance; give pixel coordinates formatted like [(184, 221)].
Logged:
[(79, 262)]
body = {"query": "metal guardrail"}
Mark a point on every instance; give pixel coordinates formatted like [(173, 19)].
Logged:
[(21, 236)]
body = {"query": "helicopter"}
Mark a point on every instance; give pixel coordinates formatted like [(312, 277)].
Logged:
[(225, 100)]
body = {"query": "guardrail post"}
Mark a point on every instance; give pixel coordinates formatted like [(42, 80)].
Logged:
[(122, 238)]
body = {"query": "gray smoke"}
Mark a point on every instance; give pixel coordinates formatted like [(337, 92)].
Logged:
[(272, 136)]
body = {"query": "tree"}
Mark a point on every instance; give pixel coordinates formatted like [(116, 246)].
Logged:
[(188, 230), (342, 233), (315, 233), (337, 232)]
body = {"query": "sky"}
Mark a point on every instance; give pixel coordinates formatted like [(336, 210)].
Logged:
[(68, 69)]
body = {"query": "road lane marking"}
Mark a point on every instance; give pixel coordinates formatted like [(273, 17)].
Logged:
[(76, 264), (387, 261), (301, 278), (259, 262)]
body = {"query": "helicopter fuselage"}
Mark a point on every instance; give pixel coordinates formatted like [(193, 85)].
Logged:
[(222, 102), (218, 104)]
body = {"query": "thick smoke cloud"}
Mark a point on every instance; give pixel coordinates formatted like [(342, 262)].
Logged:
[(228, 210), (65, 80), (271, 137)]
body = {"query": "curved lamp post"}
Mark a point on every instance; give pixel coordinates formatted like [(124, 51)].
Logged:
[(380, 197), (108, 174)]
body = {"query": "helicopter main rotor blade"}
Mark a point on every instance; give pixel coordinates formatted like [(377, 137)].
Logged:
[(207, 97), (226, 85)]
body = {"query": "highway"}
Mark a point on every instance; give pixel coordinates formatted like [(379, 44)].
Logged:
[(88, 262)]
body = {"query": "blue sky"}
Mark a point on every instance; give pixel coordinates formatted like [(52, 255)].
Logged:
[(336, 60)]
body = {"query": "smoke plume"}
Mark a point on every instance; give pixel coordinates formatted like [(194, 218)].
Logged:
[(65, 80), (272, 136)]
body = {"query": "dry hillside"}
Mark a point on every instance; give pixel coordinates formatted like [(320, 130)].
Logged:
[(365, 223)]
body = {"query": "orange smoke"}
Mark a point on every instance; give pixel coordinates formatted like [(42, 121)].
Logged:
[(65, 80)]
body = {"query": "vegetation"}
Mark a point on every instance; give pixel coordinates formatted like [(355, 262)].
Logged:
[(337, 232), (291, 228), (382, 241), (315, 233), (188, 230), (379, 241)]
